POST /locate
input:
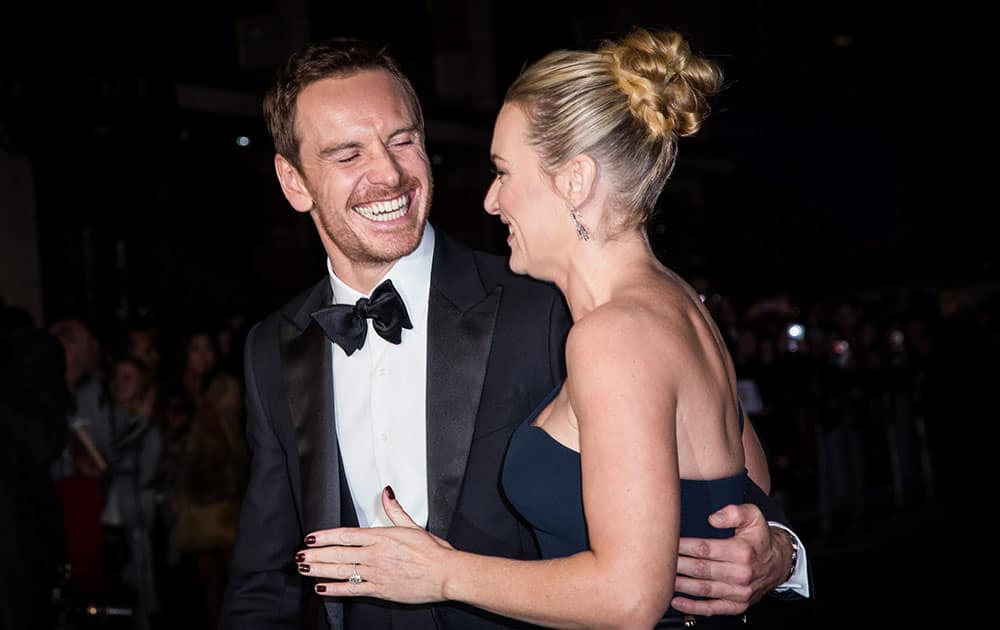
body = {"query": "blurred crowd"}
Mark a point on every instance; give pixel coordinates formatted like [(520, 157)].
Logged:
[(872, 407), (146, 461), (124, 459)]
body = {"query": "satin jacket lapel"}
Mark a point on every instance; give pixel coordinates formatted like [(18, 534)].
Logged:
[(307, 368), (461, 318)]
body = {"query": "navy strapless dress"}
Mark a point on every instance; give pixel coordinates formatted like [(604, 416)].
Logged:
[(541, 478)]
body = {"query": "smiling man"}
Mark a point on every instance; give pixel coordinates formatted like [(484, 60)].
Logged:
[(408, 364)]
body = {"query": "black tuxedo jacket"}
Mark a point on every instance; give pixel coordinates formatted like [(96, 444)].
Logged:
[(495, 349)]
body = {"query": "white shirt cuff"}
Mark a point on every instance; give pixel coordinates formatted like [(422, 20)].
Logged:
[(799, 580)]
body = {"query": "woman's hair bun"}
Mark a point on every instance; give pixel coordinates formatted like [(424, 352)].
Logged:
[(667, 86)]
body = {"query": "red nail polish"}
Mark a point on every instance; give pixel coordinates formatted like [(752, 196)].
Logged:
[(304, 568), (300, 556), (310, 539), (389, 493), (320, 588)]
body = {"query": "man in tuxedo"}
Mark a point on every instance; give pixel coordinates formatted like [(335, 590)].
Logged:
[(409, 364)]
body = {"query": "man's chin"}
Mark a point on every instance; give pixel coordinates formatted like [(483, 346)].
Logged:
[(391, 246)]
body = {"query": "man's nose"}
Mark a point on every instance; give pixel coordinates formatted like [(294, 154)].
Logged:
[(385, 170)]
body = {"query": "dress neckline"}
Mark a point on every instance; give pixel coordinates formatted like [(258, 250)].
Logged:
[(538, 410), (549, 435)]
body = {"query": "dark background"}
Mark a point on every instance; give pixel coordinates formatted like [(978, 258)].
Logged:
[(851, 153), (851, 149)]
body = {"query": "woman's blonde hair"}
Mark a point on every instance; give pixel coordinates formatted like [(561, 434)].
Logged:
[(625, 105)]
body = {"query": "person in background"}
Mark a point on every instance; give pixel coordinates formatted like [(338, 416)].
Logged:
[(203, 498), (130, 491), (34, 401), (90, 445)]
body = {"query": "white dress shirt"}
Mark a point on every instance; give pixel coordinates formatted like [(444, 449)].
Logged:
[(379, 396)]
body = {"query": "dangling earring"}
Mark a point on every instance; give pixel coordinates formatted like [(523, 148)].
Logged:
[(581, 232)]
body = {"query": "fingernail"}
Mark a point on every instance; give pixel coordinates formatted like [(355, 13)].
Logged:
[(389, 493), (320, 588), (304, 568), (310, 539), (300, 556)]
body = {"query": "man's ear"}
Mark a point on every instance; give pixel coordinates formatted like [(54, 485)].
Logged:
[(293, 185), (576, 178)]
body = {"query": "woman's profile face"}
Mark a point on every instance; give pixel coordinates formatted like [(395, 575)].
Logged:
[(523, 197)]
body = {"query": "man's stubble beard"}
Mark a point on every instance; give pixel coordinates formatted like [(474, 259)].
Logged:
[(356, 250)]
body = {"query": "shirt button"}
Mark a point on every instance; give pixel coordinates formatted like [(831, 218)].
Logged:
[(382, 370), (384, 436)]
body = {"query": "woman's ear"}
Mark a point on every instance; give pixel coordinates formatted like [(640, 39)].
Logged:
[(293, 185), (576, 179)]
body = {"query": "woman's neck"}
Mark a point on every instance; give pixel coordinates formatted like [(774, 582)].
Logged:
[(598, 269)]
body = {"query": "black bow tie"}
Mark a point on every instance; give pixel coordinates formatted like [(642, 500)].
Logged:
[(345, 324)]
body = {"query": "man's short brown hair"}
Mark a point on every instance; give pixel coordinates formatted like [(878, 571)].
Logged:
[(333, 58)]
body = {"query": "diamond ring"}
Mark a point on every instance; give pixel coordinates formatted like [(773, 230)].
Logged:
[(355, 578)]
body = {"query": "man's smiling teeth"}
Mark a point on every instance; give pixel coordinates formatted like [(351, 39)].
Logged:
[(385, 210)]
